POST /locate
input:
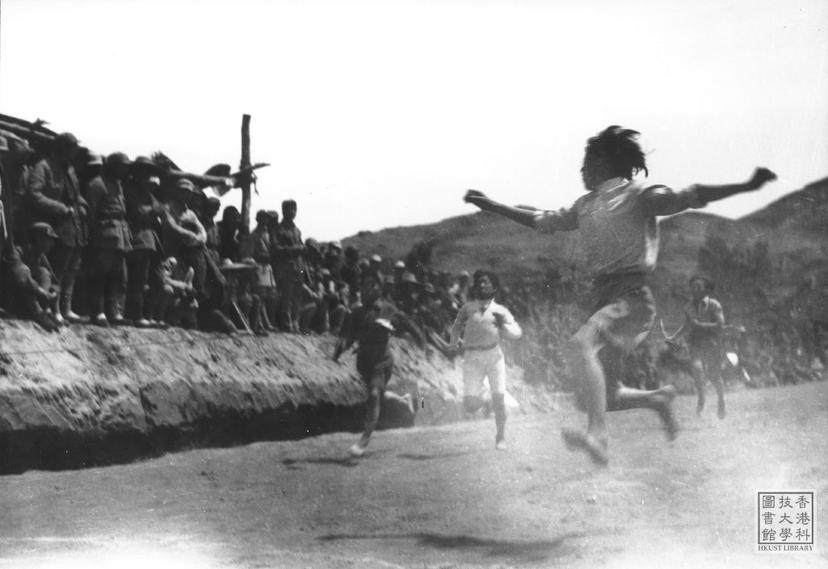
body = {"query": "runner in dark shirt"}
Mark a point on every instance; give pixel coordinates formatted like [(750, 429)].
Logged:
[(371, 325)]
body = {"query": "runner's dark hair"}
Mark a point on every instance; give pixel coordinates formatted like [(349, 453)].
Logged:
[(618, 146)]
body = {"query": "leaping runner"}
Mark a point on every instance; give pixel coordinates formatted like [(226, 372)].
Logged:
[(617, 220)]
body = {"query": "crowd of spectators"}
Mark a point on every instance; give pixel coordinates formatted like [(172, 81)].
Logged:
[(113, 241)]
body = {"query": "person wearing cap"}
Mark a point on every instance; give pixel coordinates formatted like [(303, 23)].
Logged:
[(109, 240), (41, 301), (703, 324), (88, 165), (53, 196), (477, 331), (289, 266), (371, 325), (372, 275), (143, 214), (27, 277)]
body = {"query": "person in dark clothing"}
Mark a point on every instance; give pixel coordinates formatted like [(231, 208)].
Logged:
[(109, 239), (143, 214), (371, 325), (351, 273), (54, 197), (230, 233), (332, 259), (36, 294), (289, 261)]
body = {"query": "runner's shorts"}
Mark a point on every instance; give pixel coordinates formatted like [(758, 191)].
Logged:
[(623, 321), (481, 364), (375, 370)]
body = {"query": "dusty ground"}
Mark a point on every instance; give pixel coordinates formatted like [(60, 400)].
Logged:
[(441, 497)]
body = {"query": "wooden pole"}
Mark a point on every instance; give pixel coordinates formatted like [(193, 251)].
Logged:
[(245, 163)]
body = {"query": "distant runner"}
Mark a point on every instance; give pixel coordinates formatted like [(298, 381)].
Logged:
[(703, 325), (372, 325), (617, 220), (476, 332)]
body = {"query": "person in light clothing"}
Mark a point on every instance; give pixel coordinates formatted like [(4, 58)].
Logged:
[(477, 330), (617, 220)]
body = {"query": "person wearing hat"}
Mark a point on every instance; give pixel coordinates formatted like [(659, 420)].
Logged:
[(53, 195), (143, 215), (109, 240), (703, 324), (477, 331), (28, 278), (88, 165), (371, 325), (42, 239), (371, 273)]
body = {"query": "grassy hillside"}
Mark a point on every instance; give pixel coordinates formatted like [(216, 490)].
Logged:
[(794, 230)]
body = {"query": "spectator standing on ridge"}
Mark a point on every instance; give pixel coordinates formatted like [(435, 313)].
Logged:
[(230, 233), (617, 219), (261, 246), (289, 260), (109, 240), (476, 332), (54, 197), (143, 214), (351, 273)]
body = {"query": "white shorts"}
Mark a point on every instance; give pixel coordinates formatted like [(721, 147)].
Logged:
[(481, 364)]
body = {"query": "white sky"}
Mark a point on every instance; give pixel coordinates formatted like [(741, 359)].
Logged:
[(382, 113)]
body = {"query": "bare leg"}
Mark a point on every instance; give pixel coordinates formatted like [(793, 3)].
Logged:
[(718, 383), (499, 405), (372, 413), (659, 400), (697, 369), (590, 393)]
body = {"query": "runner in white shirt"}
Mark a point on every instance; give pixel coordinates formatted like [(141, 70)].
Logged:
[(477, 331)]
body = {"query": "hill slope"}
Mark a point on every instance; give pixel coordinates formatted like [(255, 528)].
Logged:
[(793, 229)]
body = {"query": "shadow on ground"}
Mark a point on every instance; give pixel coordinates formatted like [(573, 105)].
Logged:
[(294, 463), (435, 456), (515, 550)]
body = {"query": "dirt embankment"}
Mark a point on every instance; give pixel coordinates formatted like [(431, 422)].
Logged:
[(93, 396)]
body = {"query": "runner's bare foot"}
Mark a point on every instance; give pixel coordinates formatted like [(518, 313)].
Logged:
[(594, 447), (663, 398)]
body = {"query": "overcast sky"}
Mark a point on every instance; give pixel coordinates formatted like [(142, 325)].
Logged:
[(382, 113)]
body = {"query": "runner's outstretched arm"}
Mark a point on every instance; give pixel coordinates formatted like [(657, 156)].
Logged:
[(522, 215), (760, 177), (544, 221)]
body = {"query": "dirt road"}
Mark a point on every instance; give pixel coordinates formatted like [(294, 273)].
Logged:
[(442, 497)]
